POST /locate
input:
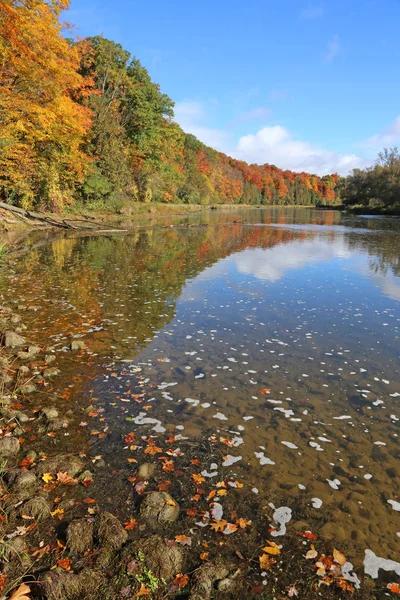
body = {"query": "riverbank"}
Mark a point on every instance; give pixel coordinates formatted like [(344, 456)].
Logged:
[(179, 532)]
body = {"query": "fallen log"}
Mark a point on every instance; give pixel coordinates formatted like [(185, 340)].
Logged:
[(30, 217)]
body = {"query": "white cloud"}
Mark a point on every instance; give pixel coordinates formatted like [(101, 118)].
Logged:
[(313, 11), (334, 48), (276, 145), (272, 264), (271, 144), (191, 115), (387, 137)]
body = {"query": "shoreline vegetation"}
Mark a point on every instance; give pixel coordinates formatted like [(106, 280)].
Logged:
[(59, 542)]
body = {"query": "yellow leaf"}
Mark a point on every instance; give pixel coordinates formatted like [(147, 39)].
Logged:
[(312, 553), (339, 557), (266, 561), (21, 593), (47, 477), (272, 548)]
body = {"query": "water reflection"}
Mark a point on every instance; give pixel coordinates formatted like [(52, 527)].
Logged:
[(212, 315)]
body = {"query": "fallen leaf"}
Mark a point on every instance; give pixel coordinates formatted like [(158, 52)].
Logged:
[(3, 579), (243, 523), (198, 478), (144, 591), (394, 588), (184, 540), (308, 534), (131, 524), (272, 548), (292, 591), (266, 561), (66, 479), (64, 563), (47, 477), (339, 557), (170, 502), (219, 525), (181, 580), (312, 553), (264, 391), (347, 587), (22, 593), (204, 555)]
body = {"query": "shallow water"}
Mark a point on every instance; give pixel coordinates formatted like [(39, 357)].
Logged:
[(278, 328)]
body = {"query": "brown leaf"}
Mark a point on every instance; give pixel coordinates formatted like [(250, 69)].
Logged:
[(144, 591), (394, 588), (66, 479), (184, 540), (181, 580), (64, 563), (22, 593), (219, 525)]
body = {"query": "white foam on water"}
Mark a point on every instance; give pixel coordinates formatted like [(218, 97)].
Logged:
[(282, 516), (373, 563), (231, 460), (220, 416), (334, 483), (290, 445), (395, 505), (263, 459)]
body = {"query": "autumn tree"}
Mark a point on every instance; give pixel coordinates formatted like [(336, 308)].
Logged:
[(42, 126)]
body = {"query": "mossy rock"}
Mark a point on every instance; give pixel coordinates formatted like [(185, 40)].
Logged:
[(159, 507)]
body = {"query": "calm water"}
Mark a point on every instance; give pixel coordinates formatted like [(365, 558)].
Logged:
[(279, 331)]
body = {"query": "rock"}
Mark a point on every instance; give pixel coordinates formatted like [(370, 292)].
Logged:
[(60, 585), (34, 350), (24, 355), (77, 345), (66, 505), (28, 388), (9, 446), (146, 470), (50, 413), (80, 536), (23, 479), (100, 464), (22, 417), (159, 507), (57, 424), (15, 319), (204, 579), (32, 454), (49, 358), (109, 531), (85, 475), (12, 339), (24, 370), (62, 462), (51, 372), (37, 508), (162, 559)]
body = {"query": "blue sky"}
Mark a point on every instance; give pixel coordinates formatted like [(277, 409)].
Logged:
[(309, 86)]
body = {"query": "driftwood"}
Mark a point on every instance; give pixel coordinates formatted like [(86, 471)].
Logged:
[(40, 220)]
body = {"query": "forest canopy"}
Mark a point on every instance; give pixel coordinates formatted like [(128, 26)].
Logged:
[(81, 122)]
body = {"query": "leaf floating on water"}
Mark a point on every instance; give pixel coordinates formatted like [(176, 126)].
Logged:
[(308, 534), (144, 591), (47, 477), (272, 548), (66, 479), (243, 523), (184, 540), (339, 557), (266, 561), (198, 478), (131, 524), (64, 563), (394, 588), (219, 525), (312, 553), (181, 580)]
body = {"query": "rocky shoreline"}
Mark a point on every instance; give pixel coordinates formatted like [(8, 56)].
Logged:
[(59, 543)]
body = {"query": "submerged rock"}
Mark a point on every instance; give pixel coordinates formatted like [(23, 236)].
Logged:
[(77, 345), (205, 578), (109, 531), (36, 508), (12, 339), (159, 507), (60, 585), (146, 470), (9, 446), (62, 462), (80, 536), (164, 560), (50, 413)]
